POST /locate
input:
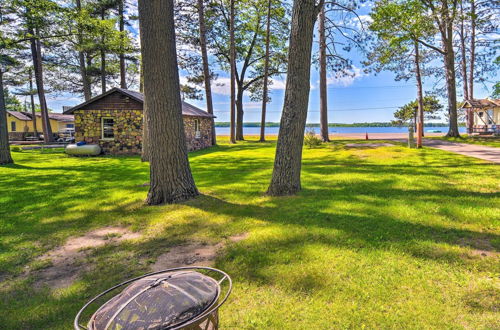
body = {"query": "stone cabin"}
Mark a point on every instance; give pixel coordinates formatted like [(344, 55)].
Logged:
[(114, 121)]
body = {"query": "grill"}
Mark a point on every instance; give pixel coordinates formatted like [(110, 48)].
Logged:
[(177, 298)]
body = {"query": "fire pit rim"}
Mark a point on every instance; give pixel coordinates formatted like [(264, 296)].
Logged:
[(225, 276)]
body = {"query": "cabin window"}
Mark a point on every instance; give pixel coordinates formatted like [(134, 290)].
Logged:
[(13, 126), (107, 128), (197, 132), (70, 125)]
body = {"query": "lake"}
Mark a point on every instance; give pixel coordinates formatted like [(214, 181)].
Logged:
[(340, 130)]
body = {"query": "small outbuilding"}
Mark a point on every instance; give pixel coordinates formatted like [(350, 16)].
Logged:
[(483, 116), (114, 121), (21, 124)]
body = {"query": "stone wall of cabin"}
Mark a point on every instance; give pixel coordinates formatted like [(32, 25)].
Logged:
[(128, 131), (204, 140)]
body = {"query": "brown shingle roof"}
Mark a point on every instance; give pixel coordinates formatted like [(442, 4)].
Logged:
[(187, 109), (482, 103), (19, 115), (59, 117)]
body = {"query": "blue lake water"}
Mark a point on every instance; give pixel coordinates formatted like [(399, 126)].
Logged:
[(275, 130)]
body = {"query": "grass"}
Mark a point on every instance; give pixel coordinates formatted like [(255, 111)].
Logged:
[(378, 238), (491, 141)]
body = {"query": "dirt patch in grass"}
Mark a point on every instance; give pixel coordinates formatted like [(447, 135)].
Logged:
[(61, 266), (480, 247), (192, 254)]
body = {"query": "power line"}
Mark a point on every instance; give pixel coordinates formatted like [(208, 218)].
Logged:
[(361, 87), (341, 110)]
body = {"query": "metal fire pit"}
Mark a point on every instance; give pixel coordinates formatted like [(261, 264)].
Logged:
[(177, 298)]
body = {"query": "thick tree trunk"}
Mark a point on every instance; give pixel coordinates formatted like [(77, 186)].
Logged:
[(141, 77), (145, 132), (103, 57), (5, 157), (32, 101), (472, 48), (87, 90), (36, 54), (266, 75), (449, 61), (170, 178), (287, 164), (206, 68), (463, 68), (232, 60), (239, 113), (463, 50), (323, 98), (420, 98), (123, 71)]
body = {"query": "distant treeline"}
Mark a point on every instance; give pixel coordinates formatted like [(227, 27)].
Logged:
[(376, 124)]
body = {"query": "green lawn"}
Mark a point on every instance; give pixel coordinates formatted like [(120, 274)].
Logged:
[(378, 238), (491, 141)]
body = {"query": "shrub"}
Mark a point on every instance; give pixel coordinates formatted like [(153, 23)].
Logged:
[(311, 140), (15, 149)]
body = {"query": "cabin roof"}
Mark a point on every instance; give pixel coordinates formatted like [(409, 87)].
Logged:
[(26, 116), (59, 117), (187, 109), (481, 103), (19, 115)]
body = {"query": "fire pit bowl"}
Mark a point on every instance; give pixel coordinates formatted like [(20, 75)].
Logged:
[(176, 298)]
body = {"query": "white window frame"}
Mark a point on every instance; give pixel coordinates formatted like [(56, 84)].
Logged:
[(197, 130), (102, 129)]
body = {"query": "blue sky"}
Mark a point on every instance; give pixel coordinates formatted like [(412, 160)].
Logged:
[(362, 98)]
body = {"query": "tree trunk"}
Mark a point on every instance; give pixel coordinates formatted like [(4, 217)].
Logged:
[(123, 71), (420, 98), (36, 54), (103, 56), (5, 157), (170, 175), (239, 113), (145, 132), (32, 101), (141, 77), (206, 68), (463, 50), (232, 60), (87, 90), (323, 97), (266, 75), (287, 164), (103, 71), (449, 61), (472, 48), (463, 68)]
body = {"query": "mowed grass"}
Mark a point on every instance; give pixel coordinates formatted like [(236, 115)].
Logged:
[(490, 141), (378, 238)]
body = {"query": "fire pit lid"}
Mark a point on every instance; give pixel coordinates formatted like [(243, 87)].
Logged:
[(161, 301)]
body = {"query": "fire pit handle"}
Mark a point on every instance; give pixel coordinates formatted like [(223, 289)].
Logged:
[(78, 326)]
